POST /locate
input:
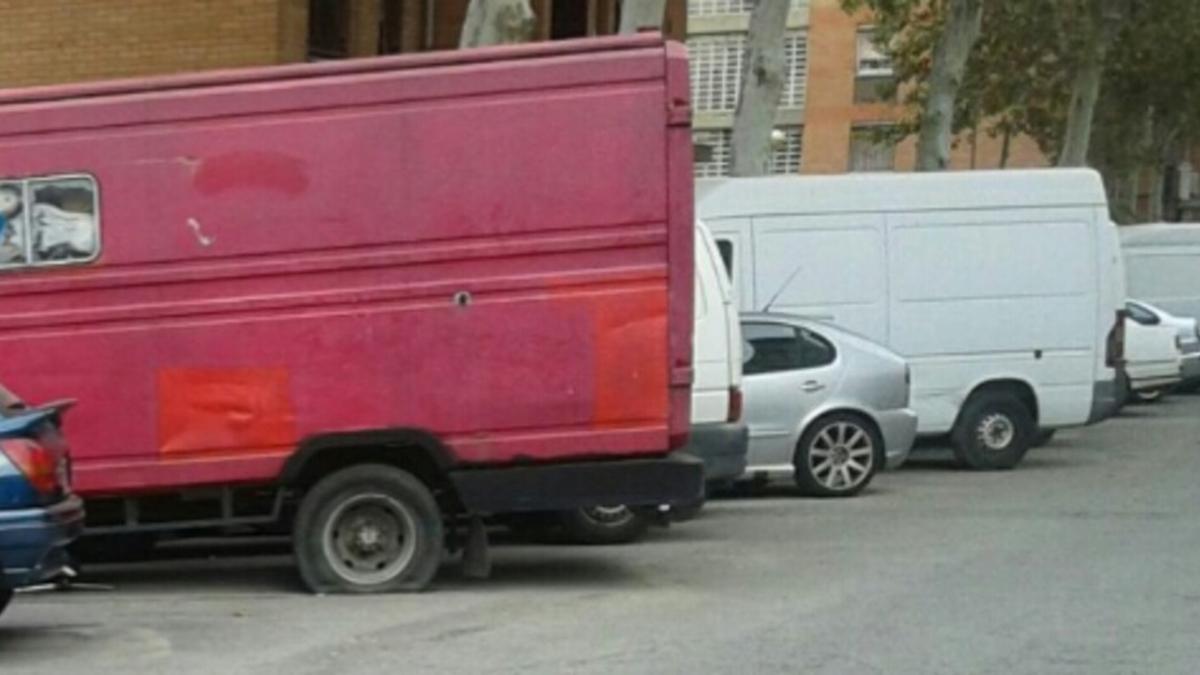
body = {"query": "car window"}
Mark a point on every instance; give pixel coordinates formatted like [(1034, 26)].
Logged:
[(772, 348), (725, 247), (1141, 315)]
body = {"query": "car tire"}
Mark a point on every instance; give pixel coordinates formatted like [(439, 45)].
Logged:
[(6, 596), (370, 528), (838, 456), (604, 525), (1148, 396), (994, 431), (1042, 437)]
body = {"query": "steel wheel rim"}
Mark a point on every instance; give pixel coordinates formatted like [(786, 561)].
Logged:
[(841, 456), (370, 539), (609, 515), (996, 432)]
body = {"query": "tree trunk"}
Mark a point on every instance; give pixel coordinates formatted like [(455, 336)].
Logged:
[(1085, 87), (1157, 188), (1005, 147), (763, 74), (496, 22), (963, 23), (639, 14)]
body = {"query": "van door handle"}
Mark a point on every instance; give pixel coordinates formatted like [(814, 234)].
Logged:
[(812, 386)]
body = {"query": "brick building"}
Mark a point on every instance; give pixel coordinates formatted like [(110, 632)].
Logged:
[(829, 106)]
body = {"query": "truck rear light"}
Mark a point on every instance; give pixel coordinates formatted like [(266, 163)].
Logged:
[(43, 468), (735, 404), (1114, 353)]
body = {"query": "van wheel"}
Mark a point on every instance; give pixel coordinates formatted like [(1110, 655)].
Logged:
[(604, 525), (6, 597), (370, 528), (837, 456), (994, 432)]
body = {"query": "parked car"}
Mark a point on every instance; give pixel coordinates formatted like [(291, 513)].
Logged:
[(718, 434), (1187, 330), (1004, 290), (825, 406), (1162, 263), (1153, 356), (39, 515)]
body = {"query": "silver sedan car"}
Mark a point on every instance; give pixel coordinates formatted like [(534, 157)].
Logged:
[(825, 406)]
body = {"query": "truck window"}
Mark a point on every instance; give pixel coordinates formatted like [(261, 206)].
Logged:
[(49, 220)]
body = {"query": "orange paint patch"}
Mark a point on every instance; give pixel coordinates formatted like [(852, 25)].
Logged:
[(631, 358), (219, 410)]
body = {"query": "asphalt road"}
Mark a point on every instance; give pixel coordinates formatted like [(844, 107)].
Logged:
[(1084, 560)]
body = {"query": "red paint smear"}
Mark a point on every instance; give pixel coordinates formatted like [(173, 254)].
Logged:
[(224, 409), (271, 172), (631, 358)]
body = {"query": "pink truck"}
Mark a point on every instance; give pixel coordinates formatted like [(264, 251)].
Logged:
[(369, 302)]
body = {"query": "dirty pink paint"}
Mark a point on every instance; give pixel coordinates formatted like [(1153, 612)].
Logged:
[(282, 250)]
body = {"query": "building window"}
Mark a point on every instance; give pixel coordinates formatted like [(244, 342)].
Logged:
[(713, 152), (328, 30), (48, 221), (871, 150), (716, 70), (874, 75), (730, 7)]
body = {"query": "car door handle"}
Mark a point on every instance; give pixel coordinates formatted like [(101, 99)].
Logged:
[(811, 386)]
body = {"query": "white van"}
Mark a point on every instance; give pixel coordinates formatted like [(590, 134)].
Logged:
[(718, 432), (1162, 264), (1004, 290)]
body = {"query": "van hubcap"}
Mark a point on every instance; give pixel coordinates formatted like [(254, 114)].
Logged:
[(996, 432), (841, 456)]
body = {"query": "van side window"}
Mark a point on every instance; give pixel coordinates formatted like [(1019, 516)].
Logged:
[(726, 249), (13, 228), (48, 220), (774, 348)]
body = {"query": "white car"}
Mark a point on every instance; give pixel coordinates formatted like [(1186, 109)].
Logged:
[(1153, 359), (1186, 329)]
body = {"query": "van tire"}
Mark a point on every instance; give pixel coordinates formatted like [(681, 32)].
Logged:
[(6, 596), (846, 431), (1001, 417), (379, 504), (604, 526)]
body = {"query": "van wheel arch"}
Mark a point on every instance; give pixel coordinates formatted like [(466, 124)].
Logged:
[(1006, 408), (415, 451), (1022, 390)]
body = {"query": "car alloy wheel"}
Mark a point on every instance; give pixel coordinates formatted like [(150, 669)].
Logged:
[(841, 456)]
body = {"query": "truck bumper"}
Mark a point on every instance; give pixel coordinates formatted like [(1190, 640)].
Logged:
[(722, 447), (33, 541), (675, 479)]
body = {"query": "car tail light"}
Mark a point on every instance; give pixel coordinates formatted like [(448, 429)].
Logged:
[(45, 469), (735, 404), (1114, 354)]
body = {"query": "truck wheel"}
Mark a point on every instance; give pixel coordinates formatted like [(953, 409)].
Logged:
[(370, 528), (837, 456), (6, 597), (604, 525), (993, 432)]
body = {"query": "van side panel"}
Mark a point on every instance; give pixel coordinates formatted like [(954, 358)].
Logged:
[(1000, 294), (828, 267), (358, 251)]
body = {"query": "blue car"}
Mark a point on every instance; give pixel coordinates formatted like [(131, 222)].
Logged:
[(39, 515)]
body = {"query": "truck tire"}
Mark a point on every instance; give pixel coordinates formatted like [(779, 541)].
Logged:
[(370, 528), (604, 525), (994, 431), (6, 597), (837, 456)]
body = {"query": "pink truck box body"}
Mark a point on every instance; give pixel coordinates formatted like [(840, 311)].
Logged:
[(483, 255)]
